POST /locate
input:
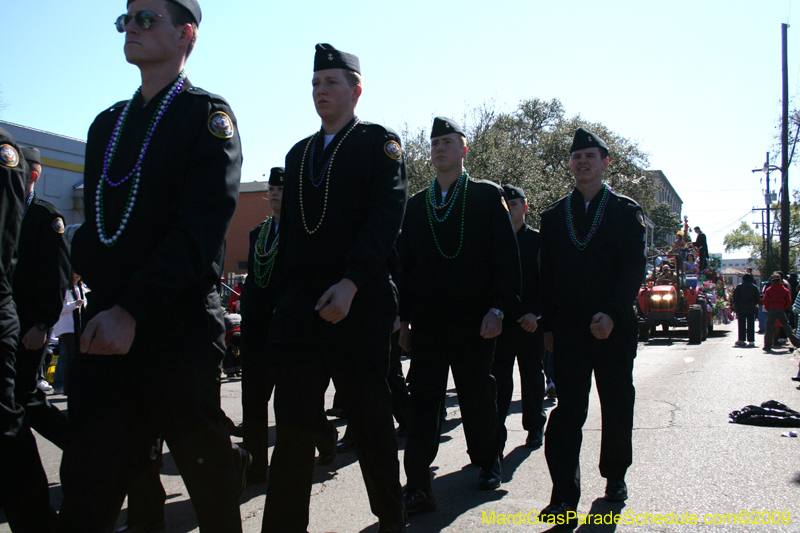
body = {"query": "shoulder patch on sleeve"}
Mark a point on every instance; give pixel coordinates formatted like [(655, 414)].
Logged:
[(393, 150), (220, 125), (8, 156), (640, 217), (58, 225)]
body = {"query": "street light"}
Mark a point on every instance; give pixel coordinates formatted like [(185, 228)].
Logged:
[(766, 169)]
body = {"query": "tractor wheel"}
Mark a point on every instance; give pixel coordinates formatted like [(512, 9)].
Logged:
[(695, 323), (702, 303)]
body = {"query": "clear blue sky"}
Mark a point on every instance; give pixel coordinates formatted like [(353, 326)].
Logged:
[(696, 83)]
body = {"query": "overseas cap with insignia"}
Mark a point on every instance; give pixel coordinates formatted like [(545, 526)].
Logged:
[(327, 57), (444, 125), (31, 155), (276, 176), (512, 193), (190, 5), (586, 139)]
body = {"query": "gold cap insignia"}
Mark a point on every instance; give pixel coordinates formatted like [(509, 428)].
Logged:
[(640, 218), (589, 138), (393, 150), (8, 155), (330, 57), (446, 124), (58, 225), (220, 125)]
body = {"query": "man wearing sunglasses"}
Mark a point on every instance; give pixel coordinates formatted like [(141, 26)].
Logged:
[(161, 185)]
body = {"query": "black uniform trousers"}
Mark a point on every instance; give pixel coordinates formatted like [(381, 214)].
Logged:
[(24, 494), (433, 352), (397, 383), (528, 350), (302, 374), (42, 416), (114, 428), (257, 386), (576, 354)]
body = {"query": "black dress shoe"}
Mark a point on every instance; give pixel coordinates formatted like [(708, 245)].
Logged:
[(616, 490), (418, 501), (146, 527), (559, 514), (535, 439), (327, 454), (345, 445), (491, 478), (243, 463), (391, 528)]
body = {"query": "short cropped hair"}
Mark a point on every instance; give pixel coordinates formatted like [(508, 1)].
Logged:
[(353, 78), (180, 16)]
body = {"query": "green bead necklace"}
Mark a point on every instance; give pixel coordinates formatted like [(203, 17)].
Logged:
[(327, 177), (431, 215), (264, 260), (598, 218)]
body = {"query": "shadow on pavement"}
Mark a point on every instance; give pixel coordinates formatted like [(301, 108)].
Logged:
[(456, 494)]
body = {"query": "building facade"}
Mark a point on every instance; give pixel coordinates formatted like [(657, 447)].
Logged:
[(666, 193)]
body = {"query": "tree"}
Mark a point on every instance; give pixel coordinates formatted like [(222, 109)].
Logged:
[(666, 223), (745, 237), (529, 147)]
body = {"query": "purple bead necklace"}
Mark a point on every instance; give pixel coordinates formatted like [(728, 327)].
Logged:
[(136, 172)]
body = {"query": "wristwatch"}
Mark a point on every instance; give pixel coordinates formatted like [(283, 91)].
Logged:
[(41, 326), (497, 312)]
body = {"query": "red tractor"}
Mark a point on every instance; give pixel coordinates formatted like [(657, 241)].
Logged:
[(668, 298)]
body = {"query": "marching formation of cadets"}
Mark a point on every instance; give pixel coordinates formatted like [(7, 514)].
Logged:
[(345, 261)]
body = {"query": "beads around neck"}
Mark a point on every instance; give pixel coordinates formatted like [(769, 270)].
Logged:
[(598, 218), (136, 172)]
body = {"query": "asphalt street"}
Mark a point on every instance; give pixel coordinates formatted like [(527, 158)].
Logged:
[(689, 461)]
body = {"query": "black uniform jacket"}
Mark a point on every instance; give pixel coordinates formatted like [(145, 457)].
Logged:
[(258, 303), (458, 292), (13, 175), (42, 275), (605, 277), (168, 259), (362, 201), (528, 242)]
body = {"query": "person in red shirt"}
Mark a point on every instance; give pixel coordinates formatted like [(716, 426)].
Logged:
[(776, 301)]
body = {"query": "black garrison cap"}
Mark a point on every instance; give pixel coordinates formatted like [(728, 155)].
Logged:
[(31, 155), (512, 193), (327, 56), (586, 139), (276, 176), (190, 5), (444, 125)]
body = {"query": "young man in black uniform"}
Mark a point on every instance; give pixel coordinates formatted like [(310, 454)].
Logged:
[(40, 281), (259, 296), (343, 202), (162, 176), (521, 338), (24, 493), (591, 234), (459, 274)]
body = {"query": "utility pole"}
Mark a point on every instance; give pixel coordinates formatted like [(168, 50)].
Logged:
[(768, 201), (785, 159)]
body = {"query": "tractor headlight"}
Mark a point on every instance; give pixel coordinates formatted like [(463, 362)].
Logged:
[(656, 298), (667, 297)]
